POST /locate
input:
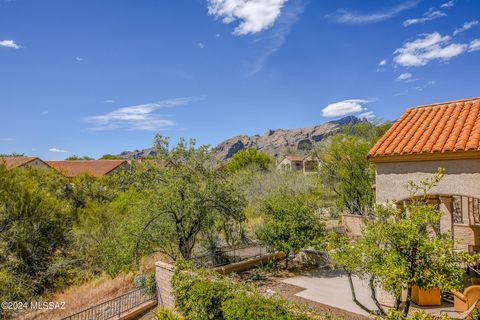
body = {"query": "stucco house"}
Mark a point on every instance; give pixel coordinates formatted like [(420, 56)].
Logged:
[(425, 138), (23, 162), (96, 168), (308, 164)]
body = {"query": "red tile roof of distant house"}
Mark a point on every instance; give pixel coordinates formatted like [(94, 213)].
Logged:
[(96, 168), (446, 130), (15, 162), (295, 158)]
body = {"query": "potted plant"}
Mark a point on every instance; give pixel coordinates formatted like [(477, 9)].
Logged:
[(476, 314)]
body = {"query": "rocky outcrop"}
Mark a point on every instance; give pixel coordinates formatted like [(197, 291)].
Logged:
[(276, 143)]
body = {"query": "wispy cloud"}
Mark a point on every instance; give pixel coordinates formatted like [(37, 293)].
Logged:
[(44, 112), (345, 107), (431, 14), (467, 25), (109, 101), (367, 115), (79, 59), (200, 45), (254, 16), (139, 117), (7, 139), (474, 45), (448, 4), (57, 150), (425, 85), (427, 48), (382, 63), (352, 17), (9, 44), (277, 36), (404, 76)]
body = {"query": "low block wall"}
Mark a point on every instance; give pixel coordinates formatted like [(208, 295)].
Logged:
[(163, 277), (249, 264)]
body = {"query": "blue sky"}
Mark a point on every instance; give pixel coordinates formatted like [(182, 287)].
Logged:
[(91, 77)]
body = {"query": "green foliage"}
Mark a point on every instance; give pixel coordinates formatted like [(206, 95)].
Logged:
[(254, 306), (403, 247), (290, 222), (249, 157), (346, 170), (109, 157), (204, 294), (396, 315), (165, 314), (75, 157)]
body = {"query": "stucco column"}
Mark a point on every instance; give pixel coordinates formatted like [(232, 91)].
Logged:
[(446, 206)]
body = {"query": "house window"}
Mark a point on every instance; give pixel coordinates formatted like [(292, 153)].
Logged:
[(457, 209), (474, 208)]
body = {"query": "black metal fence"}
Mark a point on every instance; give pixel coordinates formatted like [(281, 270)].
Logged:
[(227, 255), (115, 307)]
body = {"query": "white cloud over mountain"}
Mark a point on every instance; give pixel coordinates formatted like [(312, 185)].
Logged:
[(345, 107)]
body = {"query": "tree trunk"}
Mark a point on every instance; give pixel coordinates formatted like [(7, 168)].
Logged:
[(406, 307), (354, 296), (371, 284)]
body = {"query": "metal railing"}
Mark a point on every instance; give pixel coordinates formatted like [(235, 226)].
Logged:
[(115, 307), (226, 255)]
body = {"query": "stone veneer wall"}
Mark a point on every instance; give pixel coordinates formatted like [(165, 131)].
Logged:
[(163, 277)]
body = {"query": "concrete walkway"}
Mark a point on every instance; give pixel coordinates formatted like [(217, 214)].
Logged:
[(331, 287)]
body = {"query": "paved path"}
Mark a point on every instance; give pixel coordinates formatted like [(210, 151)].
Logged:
[(330, 287)]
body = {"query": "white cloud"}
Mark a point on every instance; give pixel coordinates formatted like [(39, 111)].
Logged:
[(138, 117), (109, 101), (474, 45), (254, 15), (350, 17), (467, 25), (431, 14), (200, 45), (9, 44), (404, 76), (430, 47), (448, 4), (217, 35), (79, 59), (345, 107), (57, 150), (367, 115), (382, 63)]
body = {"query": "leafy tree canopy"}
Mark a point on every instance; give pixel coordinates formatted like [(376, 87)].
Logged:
[(249, 157)]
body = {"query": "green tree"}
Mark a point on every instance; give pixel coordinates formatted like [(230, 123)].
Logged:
[(404, 247), (290, 222), (75, 157), (345, 169), (110, 157), (249, 157), (186, 193)]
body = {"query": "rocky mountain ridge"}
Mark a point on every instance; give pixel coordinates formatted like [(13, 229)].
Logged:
[(276, 143)]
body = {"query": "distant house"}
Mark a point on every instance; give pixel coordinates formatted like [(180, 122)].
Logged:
[(96, 168), (299, 163), (442, 135), (20, 162)]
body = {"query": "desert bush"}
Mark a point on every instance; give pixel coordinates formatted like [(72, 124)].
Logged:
[(165, 314)]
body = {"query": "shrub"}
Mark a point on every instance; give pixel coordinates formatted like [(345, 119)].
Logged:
[(254, 306), (397, 315), (165, 314)]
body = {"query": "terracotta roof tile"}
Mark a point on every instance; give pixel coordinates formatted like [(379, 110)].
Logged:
[(15, 162), (441, 128), (96, 168)]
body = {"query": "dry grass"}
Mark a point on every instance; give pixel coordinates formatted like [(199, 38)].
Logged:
[(80, 297)]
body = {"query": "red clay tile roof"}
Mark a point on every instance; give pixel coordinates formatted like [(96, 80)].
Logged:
[(448, 128), (96, 168), (15, 162), (295, 158)]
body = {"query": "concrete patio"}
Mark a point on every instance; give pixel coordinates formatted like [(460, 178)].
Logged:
[(331, 287)]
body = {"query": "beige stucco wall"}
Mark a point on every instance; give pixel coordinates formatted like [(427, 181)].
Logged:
[(462, 177)]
